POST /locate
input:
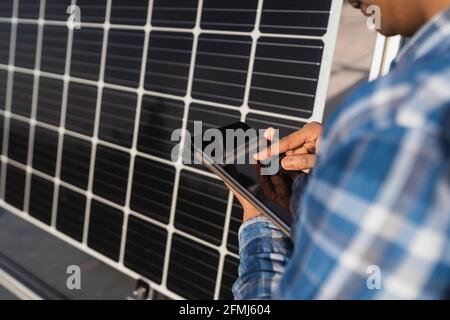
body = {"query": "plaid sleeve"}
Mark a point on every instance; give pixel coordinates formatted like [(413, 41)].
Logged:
[(376, 220), (264, 252)]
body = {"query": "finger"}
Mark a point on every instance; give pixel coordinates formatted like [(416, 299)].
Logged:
[(269, 134), (297, 151), (292, 141), (298, 162)]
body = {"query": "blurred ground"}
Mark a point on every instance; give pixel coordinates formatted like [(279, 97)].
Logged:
[(47, 257)]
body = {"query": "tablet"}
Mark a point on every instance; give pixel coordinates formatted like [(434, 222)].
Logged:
[(270, 194)]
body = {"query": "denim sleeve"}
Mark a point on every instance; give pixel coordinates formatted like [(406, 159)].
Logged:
[(264, 253)]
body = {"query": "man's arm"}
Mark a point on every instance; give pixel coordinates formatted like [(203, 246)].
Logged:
[(264, 252), (378, 202)]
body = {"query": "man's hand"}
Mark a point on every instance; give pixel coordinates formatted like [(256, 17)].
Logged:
[(300, 148)]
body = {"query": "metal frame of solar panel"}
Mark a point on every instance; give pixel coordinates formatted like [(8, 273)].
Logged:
[(86, 117)]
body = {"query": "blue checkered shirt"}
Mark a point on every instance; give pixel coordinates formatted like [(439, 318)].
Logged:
[(374, 219)]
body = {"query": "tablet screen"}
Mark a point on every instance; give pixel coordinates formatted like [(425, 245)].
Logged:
[(266, 183)]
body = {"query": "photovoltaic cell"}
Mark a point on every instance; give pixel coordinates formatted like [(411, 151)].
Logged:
[(111, 174), (54, 45), (255, 60), (71, 209), (198, 213), (15, 186), (3, 79), (145, 248), (309, 18), (221, 68), (86, 53), (26, 38), (57, 9), (93, 10), (130, 12), (75, 162), (159, 117), (169, 58), (45, 147), (80, 111), (285, 76), (5, 33), (152, 189), (29, 9), (41, 199), (18, 132), (192, 269), (105, 229), (232, 15), (22, 95), (117, 117), (229, 276), (49, 101), (6, 8), (123, 61), (174, 13)]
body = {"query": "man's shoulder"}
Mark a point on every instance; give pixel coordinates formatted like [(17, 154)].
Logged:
[(409, 97)]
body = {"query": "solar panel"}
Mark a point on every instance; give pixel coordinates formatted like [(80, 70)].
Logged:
[(86, 117)]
